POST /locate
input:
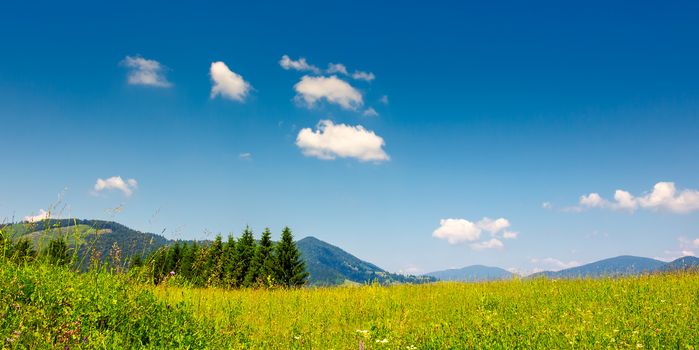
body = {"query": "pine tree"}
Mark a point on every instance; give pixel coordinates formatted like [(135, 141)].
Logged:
[(57, 252), (229, 263), (244, 252), (23, 251), (215, 262), (263, 262), (290, 269), (186, 261)]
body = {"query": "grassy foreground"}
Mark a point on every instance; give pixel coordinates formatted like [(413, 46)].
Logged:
[(50, 307)]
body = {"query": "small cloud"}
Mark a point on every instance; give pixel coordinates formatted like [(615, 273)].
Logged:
[(696, 242), (493, 243), (547, 205), (145, 72), (227, 83), (664, 196), (116, 183), (366, 76), (456, 231), (245, 156), (334, 90), (331, 140), (300, 65), (336, 68), (370, 112), (510, 235), (384, 99), (43, 215)]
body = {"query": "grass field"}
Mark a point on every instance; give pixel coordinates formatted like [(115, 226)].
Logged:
[(50, 307)]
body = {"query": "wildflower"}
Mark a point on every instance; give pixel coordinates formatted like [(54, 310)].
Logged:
[(172, 273), (382, 341), (363, 331)]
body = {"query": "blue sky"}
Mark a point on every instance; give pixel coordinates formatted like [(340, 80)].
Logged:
[(508, 110)]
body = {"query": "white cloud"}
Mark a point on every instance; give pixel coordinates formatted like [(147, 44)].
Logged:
[(370, 112), (553, 264), (116, 183), (593, 200), (337, 68), (457, 231), (510, 234), (664, 196), (366, 76), (332, 140), (227, 83), (493, 226), (384, 99), (299, 65), (493, 243), (145, 72), (332, 89), (547, 205), (245, 156), (696, 242), (43, 214)]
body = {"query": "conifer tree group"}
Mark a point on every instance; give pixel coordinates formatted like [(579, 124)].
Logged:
[(241, 263)]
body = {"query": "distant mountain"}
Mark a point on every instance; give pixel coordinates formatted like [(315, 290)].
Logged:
[(330, 265), (472, 273), (683, 263), (613, 267)]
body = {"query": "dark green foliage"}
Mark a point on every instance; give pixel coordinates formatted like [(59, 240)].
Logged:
[(57, 252), (22, 251), (214, 265), (290, 269), (244, 253), (263, 262), (229, 263)]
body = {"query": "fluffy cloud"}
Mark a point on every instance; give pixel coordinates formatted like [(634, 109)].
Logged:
[(339, 140), (493, 226), (696, 242), (493, 243), (457, 231), (145, 72), (337, 68), (366, 76), (370, 112), (245, 156), (332, 89), (384, 99), (227, 83), (43, 214), (664, 196), (116, 183), (299, 65)]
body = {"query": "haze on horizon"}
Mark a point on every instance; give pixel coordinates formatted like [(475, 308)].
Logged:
[(526, 136)]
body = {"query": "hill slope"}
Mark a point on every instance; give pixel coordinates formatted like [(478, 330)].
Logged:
[(330, 265), (683, 263), (472, 274)]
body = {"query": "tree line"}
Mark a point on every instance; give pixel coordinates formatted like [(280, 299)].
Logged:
[(232, 264), (240, 263)]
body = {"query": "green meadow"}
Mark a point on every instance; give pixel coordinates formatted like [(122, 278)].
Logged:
[(51, 307)]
